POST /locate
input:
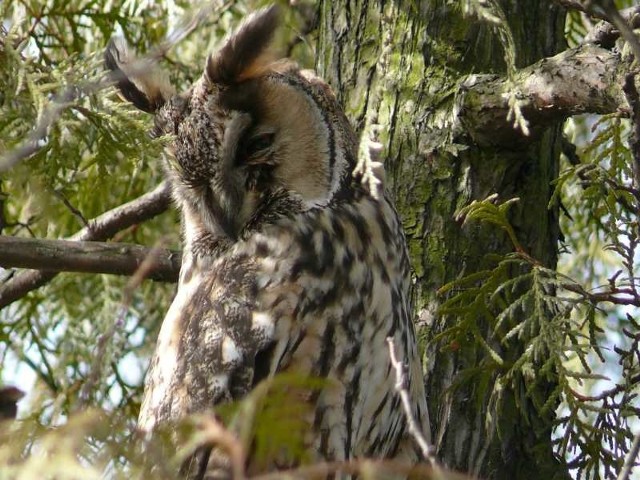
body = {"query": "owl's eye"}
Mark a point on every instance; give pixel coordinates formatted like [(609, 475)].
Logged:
[(256, 149), (257, 145)]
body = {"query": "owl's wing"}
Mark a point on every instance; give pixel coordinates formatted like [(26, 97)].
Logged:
[(316, 295), (216, 339), (207, 343)]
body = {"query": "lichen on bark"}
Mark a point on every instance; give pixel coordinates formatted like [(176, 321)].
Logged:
[(434, 169)]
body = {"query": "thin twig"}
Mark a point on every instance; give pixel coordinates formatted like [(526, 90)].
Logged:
[(606, 32), (214, 434), (613, 16), (134, 282), (414, 430), (580, 7), (75, 211), (44, 377), (607, 11), (610, 393), (630, 459), (615, 295)]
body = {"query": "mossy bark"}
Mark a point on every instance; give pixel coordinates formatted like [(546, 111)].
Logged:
[(433, 169)]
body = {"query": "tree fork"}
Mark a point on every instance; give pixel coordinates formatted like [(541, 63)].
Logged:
[(100, 228)]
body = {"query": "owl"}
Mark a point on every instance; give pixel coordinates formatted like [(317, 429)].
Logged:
[(291, 262)]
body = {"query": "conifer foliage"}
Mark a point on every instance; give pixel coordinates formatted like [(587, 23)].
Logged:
[(560, 341)]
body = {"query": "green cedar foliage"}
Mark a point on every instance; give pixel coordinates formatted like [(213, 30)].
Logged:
[(579, 324)]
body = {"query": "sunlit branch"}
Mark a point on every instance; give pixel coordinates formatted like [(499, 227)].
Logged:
[(630, 459), (103, 227), (586, 79), (87, 257)]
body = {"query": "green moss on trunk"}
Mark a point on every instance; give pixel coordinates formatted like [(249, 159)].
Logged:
[(432, 172)]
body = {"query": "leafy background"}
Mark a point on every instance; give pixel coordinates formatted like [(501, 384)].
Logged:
[(97, 155)]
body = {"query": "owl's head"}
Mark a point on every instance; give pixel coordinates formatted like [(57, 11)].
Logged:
[(251, 125)]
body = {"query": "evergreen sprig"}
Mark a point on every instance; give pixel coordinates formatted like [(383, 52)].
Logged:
[(558, 322)]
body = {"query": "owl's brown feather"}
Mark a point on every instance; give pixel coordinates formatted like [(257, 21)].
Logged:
[(289, 260)]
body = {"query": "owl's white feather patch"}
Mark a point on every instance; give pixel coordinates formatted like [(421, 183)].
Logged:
[(219, 382), (262, 281), (269, 264), (230, 351), (263, 323), (192, 224)]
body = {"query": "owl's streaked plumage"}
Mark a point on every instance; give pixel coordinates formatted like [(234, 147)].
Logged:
[(290, 263)]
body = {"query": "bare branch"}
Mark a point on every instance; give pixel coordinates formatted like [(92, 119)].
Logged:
[(630, 459), (211, 433), (414, 430), (572, 4), (615, 23), (136, 211), (103, 227), (586, 79), (585, 7), (614, 295), (613, 16), (605, 34), (87, 257)]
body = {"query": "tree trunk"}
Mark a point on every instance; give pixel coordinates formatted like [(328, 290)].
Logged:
[(433, 169)]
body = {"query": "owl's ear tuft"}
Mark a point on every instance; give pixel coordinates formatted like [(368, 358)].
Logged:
[(246, 53), (139, 81)]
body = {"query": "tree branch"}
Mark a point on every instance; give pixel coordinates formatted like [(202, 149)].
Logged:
[(586, 79), (103, 227), (614, 22), (136, 211), (87, 257), (605, 34), (630, 459)]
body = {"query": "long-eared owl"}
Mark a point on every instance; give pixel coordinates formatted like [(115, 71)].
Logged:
[(291, 263)]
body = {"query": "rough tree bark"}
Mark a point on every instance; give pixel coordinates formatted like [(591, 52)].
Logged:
[(447, 142), (436, 83)]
